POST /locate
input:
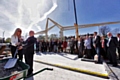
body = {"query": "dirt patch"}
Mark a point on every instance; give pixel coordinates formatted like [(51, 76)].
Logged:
[(9, 72)]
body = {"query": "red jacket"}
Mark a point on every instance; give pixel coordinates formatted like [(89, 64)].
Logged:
[(64, 44)]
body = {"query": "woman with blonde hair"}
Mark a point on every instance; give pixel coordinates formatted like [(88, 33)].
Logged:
[(16, 43)]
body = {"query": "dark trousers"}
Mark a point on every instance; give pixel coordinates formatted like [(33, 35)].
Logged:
[(104, 53), (42, 49), (93, 52), (72, 50), (88, 53), (112, 55), (51, 48), (29, 61), (20, 54), (80, 53), (45, 48), (13, 49), (37, 49), (119, 52), (98, 51), (59, 48)]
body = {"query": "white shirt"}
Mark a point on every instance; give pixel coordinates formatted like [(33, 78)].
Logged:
[(108, 41), (118, 38), (95, 37), (14, 40), (79, 43), (87, 43), (68, 43)]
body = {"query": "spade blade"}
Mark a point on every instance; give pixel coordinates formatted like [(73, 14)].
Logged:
[(10, 63)]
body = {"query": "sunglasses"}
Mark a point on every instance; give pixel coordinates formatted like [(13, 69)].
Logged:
[(19, 31)]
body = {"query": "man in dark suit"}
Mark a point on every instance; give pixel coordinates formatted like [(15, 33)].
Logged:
[(112, 45), (29, 51), (80, 45), (72, 45), (118, 38), (97, 46), (93, 52), (37, 46)]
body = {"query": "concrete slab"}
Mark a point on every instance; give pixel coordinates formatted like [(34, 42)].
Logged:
[(114, 72), (68, 60), (60, 74)]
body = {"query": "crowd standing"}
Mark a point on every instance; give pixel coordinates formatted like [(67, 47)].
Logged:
[(87, 46)]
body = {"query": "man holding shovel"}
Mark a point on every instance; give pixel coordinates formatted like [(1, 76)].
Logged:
[(29, 51)]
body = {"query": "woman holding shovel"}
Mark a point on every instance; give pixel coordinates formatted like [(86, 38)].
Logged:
[(16, 43)]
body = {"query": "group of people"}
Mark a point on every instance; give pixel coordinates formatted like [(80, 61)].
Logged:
[(27, 50), (54, 45), (86, 46), (105, 47)]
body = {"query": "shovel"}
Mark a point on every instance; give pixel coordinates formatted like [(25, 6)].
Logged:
[(11, 62)]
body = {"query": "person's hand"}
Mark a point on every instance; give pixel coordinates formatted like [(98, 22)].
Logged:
[(20, 48), (94, 46), (17, 43), (21, 39)]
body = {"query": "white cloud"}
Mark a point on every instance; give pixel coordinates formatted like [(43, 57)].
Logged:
[(26, 14)]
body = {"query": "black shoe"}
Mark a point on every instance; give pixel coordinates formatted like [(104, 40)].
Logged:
[(30, 74), (115, 65), (79, 56), (98, 62), (109, 62)]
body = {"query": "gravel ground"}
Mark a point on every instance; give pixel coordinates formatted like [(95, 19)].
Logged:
[(8, 72)]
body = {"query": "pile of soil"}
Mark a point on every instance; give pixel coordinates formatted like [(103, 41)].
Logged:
[(8, 72)]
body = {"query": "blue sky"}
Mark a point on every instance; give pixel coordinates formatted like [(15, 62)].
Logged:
[(14, 13), (90, 11)]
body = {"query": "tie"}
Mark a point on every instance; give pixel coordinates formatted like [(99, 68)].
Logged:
[(118, 39), (103, 44)]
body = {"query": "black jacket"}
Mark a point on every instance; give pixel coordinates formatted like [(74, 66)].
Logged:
[(113, 43), (30, 44), (97, 41)]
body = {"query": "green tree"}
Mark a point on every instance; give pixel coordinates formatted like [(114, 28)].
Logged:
[(41, 37), (8, 40), (53, 36)]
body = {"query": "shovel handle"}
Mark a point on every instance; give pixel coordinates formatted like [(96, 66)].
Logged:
[(16, 51), (51, 69)]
